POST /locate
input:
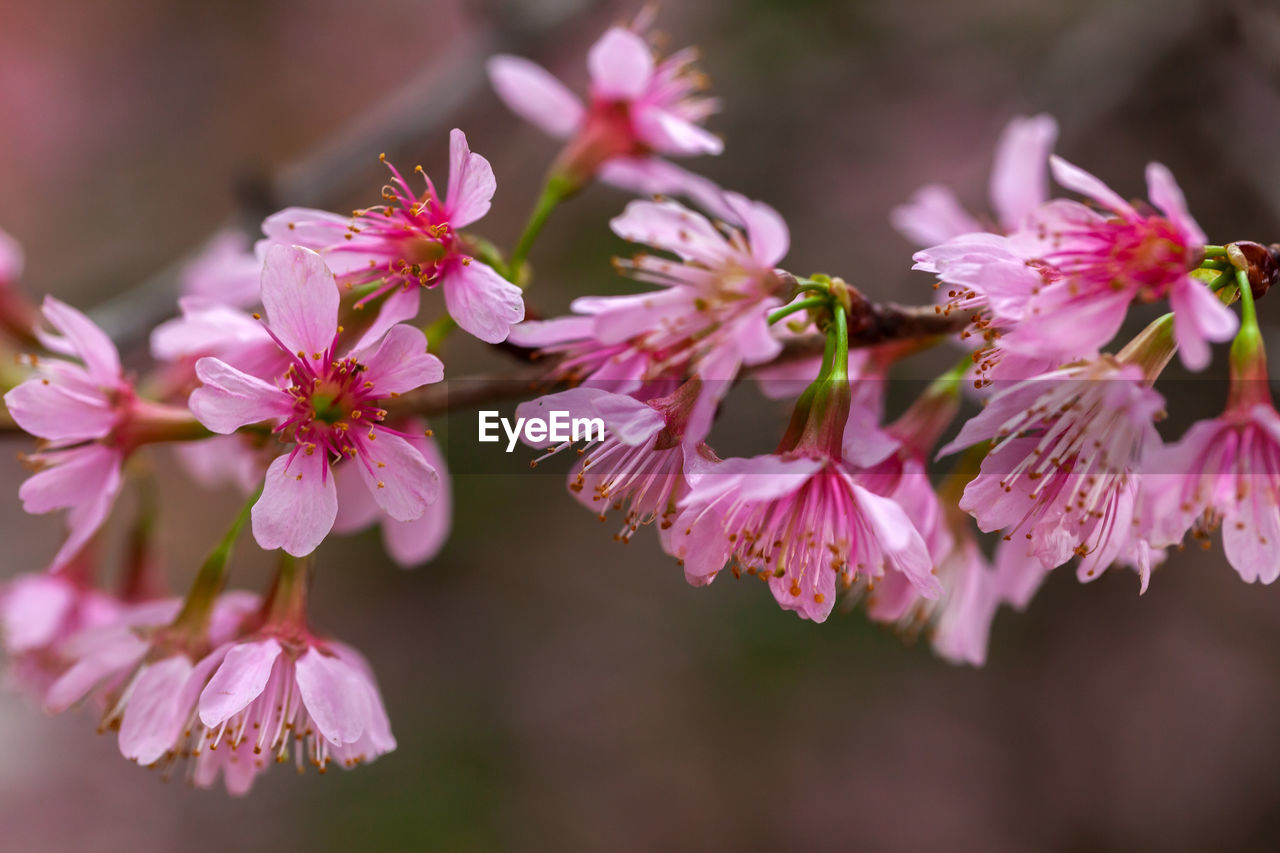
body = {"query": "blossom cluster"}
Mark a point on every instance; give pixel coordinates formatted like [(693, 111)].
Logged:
[(298, 368)]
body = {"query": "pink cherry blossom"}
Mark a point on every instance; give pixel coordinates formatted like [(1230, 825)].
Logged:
[(1224, 472), (409, 543), (638, 108), (709, 320), (1019, 185), (639, 463), (414, 242), (270, 692), (325, 406), (1063, 471), (80, 409), (1096, 264), (804, 523)]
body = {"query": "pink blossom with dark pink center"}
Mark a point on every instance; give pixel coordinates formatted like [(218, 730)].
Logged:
[(1096, 264), (409, 543), (638, 108), (1019, 185), (1063, 468), (327, 407), (709, 320), (410, 243)]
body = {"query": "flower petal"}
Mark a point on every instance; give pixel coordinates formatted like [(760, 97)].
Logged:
[(1019, 183), (482, 302), (300, 296), (331, 691), (231, 398), (397, 476), (1198, 317), (1167, 196), (153, 718), (82, 337), (534, 94), (471, 183), (1077, 179), (238, 681), (298, 505), (621, 65), (401, 363)]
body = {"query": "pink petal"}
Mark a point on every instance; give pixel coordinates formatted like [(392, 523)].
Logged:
[(766, 229), (298, 505), (933, 216), (82, 337), (304, 226), (531, 92), (10, 259), (650, 176), (71, 478), (1077, 179), (56, 411), (411, 543), (621, 65), (1167, 196), (301, 299), (231, 398), (118, 654), (757, 478), (1198, 317), (399, 306), (482, 302), (626, 418), (331, 691), (154, 717), (356, 507), (397, 476), (239, 680), (471, 183), (668, 133), (32, 609), (541, 333), (898, 537), (1019, 183), (674, 227), (226, 272), (401, 363)]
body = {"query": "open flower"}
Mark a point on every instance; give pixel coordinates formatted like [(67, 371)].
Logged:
[(1019, 185), (710, 318), (325, 406), (79, 409), (414, 242), (638, 108), (1063, 468)]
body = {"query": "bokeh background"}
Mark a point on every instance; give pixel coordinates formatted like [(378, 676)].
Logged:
[(549, 688)]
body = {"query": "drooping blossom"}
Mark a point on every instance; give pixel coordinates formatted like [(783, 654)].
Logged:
[(1019, 185), (412, 242), (89, 418), (639, 111), (709, 319), (1225, 471), (325, 406), (1062, 471), (276, 691), (144, 673), (410, 543), (638, 463)]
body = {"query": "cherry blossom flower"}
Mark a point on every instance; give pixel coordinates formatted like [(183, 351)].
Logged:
[(639, 108), (414, 242), (638, 465), (1019, 185), (226, 272), (710, 318), (85, 412), (275, 690), (410, 543), (1063, 468), (326, 406)]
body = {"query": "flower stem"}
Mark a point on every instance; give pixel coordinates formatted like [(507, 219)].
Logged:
[(286, 606), (555, 191), (194, 616), (795, 307)]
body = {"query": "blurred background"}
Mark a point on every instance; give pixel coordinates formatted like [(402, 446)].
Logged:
[(551, 689)]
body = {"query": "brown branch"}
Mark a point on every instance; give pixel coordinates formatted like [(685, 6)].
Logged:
[(874, 323)]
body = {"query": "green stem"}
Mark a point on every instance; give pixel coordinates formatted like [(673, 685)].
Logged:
[(287, 604), (204, 590), (802, 305), (1215, 251), (438, 331), (552, 194)]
